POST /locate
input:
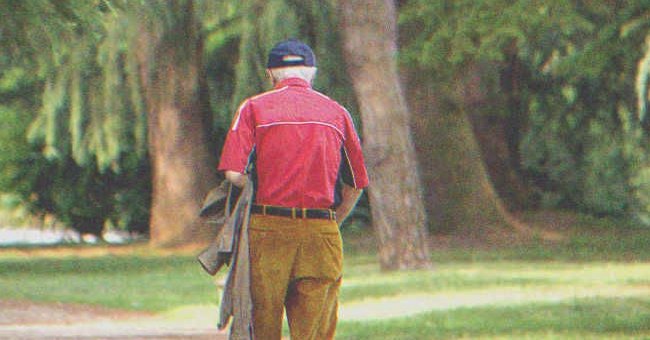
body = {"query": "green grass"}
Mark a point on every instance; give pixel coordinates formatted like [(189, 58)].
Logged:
[(590, 286), (365, 283), (578, 319), (127, 282)]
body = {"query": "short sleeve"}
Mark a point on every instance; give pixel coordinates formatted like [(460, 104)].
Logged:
[(239, 140)]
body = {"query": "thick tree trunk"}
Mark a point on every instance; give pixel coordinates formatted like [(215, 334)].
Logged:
[(461, 197), (496, 115), (179, 126), (370, 48), (493, 133)]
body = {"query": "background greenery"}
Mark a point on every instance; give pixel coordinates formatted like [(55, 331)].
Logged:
[(74, 132), (568, 81), (567, 76), (75, 116)]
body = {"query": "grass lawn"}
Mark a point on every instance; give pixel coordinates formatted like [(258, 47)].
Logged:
[(594, 284), (576, 319), (146, 283)]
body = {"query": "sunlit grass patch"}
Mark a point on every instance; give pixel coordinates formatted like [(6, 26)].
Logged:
[(127, 282), (367, 282), (411, 304), (158, 283), (576, 319)]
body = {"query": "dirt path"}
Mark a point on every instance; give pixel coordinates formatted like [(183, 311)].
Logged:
[(27, 320), (407, 305)]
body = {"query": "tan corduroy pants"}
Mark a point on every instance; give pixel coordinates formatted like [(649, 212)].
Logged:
[(295, 264)]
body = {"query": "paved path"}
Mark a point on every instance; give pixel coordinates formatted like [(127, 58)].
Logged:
[(25, 320), (408, 305), (109, 330)]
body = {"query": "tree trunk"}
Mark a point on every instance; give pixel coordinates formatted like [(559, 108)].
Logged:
[(179, 123), (497, 118), (370, 48), (493, 135), (461, 197)]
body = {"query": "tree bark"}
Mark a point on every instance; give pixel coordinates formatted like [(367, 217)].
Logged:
[(462, 199), (179, 125), (370, 48), (497, 118)]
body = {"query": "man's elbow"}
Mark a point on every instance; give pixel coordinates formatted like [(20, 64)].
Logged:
[(236, 178), (351, 191)]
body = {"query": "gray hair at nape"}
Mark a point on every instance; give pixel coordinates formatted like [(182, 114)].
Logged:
[(306, 73)]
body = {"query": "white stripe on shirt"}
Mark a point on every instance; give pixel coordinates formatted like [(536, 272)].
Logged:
[(303, 123), (241, 107), (351, 167)]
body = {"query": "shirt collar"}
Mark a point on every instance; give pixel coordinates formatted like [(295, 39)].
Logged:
[(292, 82)]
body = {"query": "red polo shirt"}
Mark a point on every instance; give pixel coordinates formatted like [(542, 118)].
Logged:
[(302, 139)]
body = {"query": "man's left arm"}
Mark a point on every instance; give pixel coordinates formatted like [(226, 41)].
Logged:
[(357, 177)]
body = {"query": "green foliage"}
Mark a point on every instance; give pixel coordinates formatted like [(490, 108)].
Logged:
[(604, 140), (446, 37), (86, 157), (642, 80), (36, 34), (16, 152), (268, 22), (89, 109), (642, 185), (223, 32), (80, 197), (584, 70), (54, 171), (578, 68)]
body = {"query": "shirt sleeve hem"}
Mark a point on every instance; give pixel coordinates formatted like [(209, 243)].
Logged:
[(231, 168)]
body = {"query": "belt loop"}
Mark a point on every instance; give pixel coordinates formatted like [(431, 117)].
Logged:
[(304, 212), (263, 209), (293, 213), (331, 215)]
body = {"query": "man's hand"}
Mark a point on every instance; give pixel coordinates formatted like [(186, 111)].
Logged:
[(236, 178), (350, 198)]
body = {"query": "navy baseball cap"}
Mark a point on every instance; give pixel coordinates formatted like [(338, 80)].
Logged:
[(291, 52)]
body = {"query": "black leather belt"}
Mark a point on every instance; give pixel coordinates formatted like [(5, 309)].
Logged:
[(326, 214)]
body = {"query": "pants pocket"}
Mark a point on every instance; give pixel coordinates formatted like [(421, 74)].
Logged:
[(321, 256)]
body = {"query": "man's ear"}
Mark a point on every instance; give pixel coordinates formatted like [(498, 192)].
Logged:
[(270, 75)]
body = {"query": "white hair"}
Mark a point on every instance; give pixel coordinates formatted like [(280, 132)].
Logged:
[(306, 73)]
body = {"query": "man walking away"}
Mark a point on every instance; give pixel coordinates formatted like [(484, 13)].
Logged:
[(308, 172)]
